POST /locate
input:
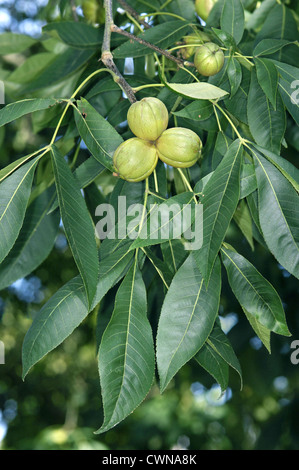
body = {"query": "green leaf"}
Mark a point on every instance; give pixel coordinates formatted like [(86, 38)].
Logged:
[(75, 34), (14, 111), (258, 16), (198, 91), (243, 220), (14, 195), (267, 77), (237, 105), (198, 110), (234, 73), (280, 24), (188, 315), (67, 308), (174, 254), (85, 174), (248, 180), (267, 125), (216, 355), (166, 220), (213, 363), (232, 19), (126, 353), (254, 293), (65, 64), (269, 46), (77, 223), (32, 66), (99, 136), (289, 171), (35, 241), (263, 333), (9, 169), (12, 43), (163, 36), (278, 214), (221, 196), (289, 87), (221, 146)]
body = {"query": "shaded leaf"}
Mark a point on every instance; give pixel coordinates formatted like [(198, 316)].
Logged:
[(66, 309), (221, 196), (232, 19), (126, 353), (99, 136), (14, 195), (13, 111), (278, 214), (188, 314), (34, 243), (77, 223), (254, 293)]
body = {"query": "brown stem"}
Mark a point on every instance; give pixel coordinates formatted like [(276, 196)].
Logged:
[(180, 62), (107, 57), (133, 13)]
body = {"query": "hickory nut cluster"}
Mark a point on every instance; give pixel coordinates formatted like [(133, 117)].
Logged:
[(136, 158)]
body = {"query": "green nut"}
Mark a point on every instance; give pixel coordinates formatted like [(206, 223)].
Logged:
[(209, 59), (198, 38), (135, 159), (148, 118), (179, 147), (203, 8), (94, 11)]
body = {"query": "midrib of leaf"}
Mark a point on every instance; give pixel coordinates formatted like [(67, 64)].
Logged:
[(282, 27), (127, 339), (172, 255), (270, 121), (272, 188), (70, 233), (187, 327), (247, 280), (224, 191)]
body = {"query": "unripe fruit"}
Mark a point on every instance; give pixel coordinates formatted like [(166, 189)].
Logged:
[(209, 59), (179, 147), (148, 118), (203, 8), (198, 38), (135, 159), (94, 11)]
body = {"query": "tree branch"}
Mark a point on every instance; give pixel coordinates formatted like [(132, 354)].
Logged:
[(133, 13), (107, 57), (180, 62)]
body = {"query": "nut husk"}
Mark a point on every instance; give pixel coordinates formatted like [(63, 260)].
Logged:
[(179, 147), (209, 59), (135, 159), (203, 8), (148, 118)]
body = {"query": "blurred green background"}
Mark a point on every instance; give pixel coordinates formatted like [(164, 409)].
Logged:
[(59, 404)]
